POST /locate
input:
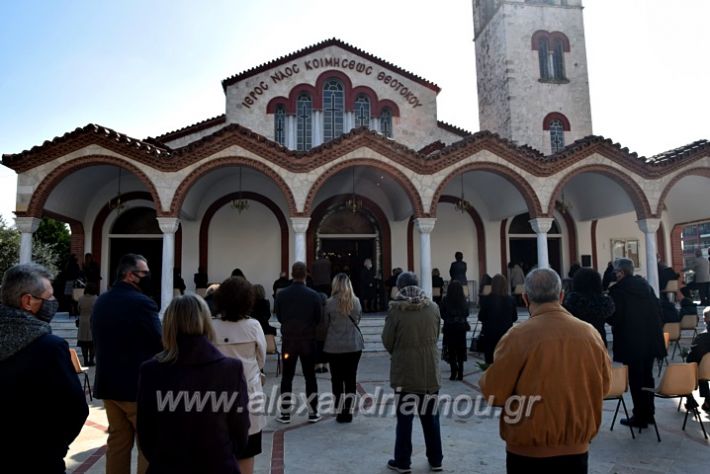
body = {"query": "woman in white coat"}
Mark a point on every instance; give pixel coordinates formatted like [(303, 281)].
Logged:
[(240, 336)]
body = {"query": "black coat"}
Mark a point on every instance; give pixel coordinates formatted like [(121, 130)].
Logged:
[(457, 271), (636, 322), (298, 309), (182, 440), (262, 313), (497, 314), (455, 324), (594, 309), (42, 404), (126, 332)]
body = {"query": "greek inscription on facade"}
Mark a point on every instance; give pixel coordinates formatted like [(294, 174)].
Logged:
[(257, 91)]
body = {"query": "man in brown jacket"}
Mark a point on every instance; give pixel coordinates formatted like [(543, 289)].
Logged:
[(550, 374)]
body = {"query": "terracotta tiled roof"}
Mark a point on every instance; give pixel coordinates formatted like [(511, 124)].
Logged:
[(324, 44), (432, 147), (184, 131), (100, 134), (676, 154), (453, 129)]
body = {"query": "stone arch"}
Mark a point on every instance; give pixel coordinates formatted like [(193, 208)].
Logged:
[(184, 187), (480, 231), (47, 185), (220, 202), (632, 189), (398, 176), (520, 183), (704, 172), (371, 206)]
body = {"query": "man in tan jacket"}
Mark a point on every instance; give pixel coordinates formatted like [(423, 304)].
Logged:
[(550, 374)]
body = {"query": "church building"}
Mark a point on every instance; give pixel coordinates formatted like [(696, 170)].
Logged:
[(335, 149)]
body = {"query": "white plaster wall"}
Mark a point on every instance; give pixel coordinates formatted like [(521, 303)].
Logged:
[(413, 128), (584, 240), (623, 226), (191, 253), (250, 241), (492, 230), (453, 232)]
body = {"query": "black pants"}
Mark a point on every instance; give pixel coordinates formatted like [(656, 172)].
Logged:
[(641, 386), (87, 351), (572, 464), (703, 290), (291, 351), (343, 373), (457, 356)]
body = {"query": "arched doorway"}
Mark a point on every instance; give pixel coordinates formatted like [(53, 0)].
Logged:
[(136, 230), (349, 237), (522, 243)]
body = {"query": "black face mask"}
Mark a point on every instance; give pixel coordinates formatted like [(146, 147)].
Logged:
[(145, 284), (47, 310)]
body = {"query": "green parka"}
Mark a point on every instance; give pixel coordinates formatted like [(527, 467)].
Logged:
[(410, 335)]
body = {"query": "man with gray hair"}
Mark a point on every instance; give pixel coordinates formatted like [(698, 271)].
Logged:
[(410, 335), (553, 371), (638, 337), (42, 404)]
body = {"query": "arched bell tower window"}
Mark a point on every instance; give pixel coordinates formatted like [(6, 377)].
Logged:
[(304, 111), (550, 49), (362, 111), (386, 122), (333, 109), (280, 125), (557, 124)]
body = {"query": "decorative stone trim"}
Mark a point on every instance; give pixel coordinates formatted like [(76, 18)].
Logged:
[(47, 185)]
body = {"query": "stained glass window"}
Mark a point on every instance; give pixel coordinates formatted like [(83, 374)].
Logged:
[(362, 111), (304, 111), (333, 109), (557, 135)]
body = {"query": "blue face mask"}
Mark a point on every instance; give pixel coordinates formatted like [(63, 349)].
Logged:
[(47, 310)]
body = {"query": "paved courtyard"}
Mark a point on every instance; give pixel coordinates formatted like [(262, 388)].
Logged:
[(471, 443)]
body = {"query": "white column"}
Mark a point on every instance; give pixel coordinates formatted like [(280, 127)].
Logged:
[(27, 226), (425, 225), (649, 228), (168, 225), (291, 132), (375, 124), (541, 226), (300, 226), (317, 128)]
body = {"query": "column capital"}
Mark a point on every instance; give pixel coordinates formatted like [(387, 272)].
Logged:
[(648, 226), (27, 224), (541, 225), (168, 225), (425, 224), (300, 224)]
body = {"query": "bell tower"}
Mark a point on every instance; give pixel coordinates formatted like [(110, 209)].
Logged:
[(531, 65)]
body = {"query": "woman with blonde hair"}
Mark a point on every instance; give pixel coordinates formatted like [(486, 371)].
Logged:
[(343, 344), (241, 337), (192, 400)]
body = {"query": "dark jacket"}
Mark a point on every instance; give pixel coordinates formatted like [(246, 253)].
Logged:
[(298, 309), (668, 312), (262, 313), (42, 404), (455, 323), (457, 271), (636, 322), (126, 333), (699, 347), (497, 315), (184, 440), (594, 309), (687, 306)]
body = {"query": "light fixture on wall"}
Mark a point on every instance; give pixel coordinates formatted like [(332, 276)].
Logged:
[(116, 204), (562, 205), (240, 204), (353, 204), (462, 205)]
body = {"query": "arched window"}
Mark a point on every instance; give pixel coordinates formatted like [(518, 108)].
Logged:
[(558, 61), (304, 111), (333, 109), (280, 125), (557, 124), (362, 111), (386, 122), (557, 135), (550, 49), (543, 53)]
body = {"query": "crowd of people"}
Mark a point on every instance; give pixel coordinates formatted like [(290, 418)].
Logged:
[(217, 345)]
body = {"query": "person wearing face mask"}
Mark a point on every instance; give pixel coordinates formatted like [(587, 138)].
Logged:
[(41, 398), (126, 332)]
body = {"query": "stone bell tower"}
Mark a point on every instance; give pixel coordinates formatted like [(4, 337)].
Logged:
[(531, 63)]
